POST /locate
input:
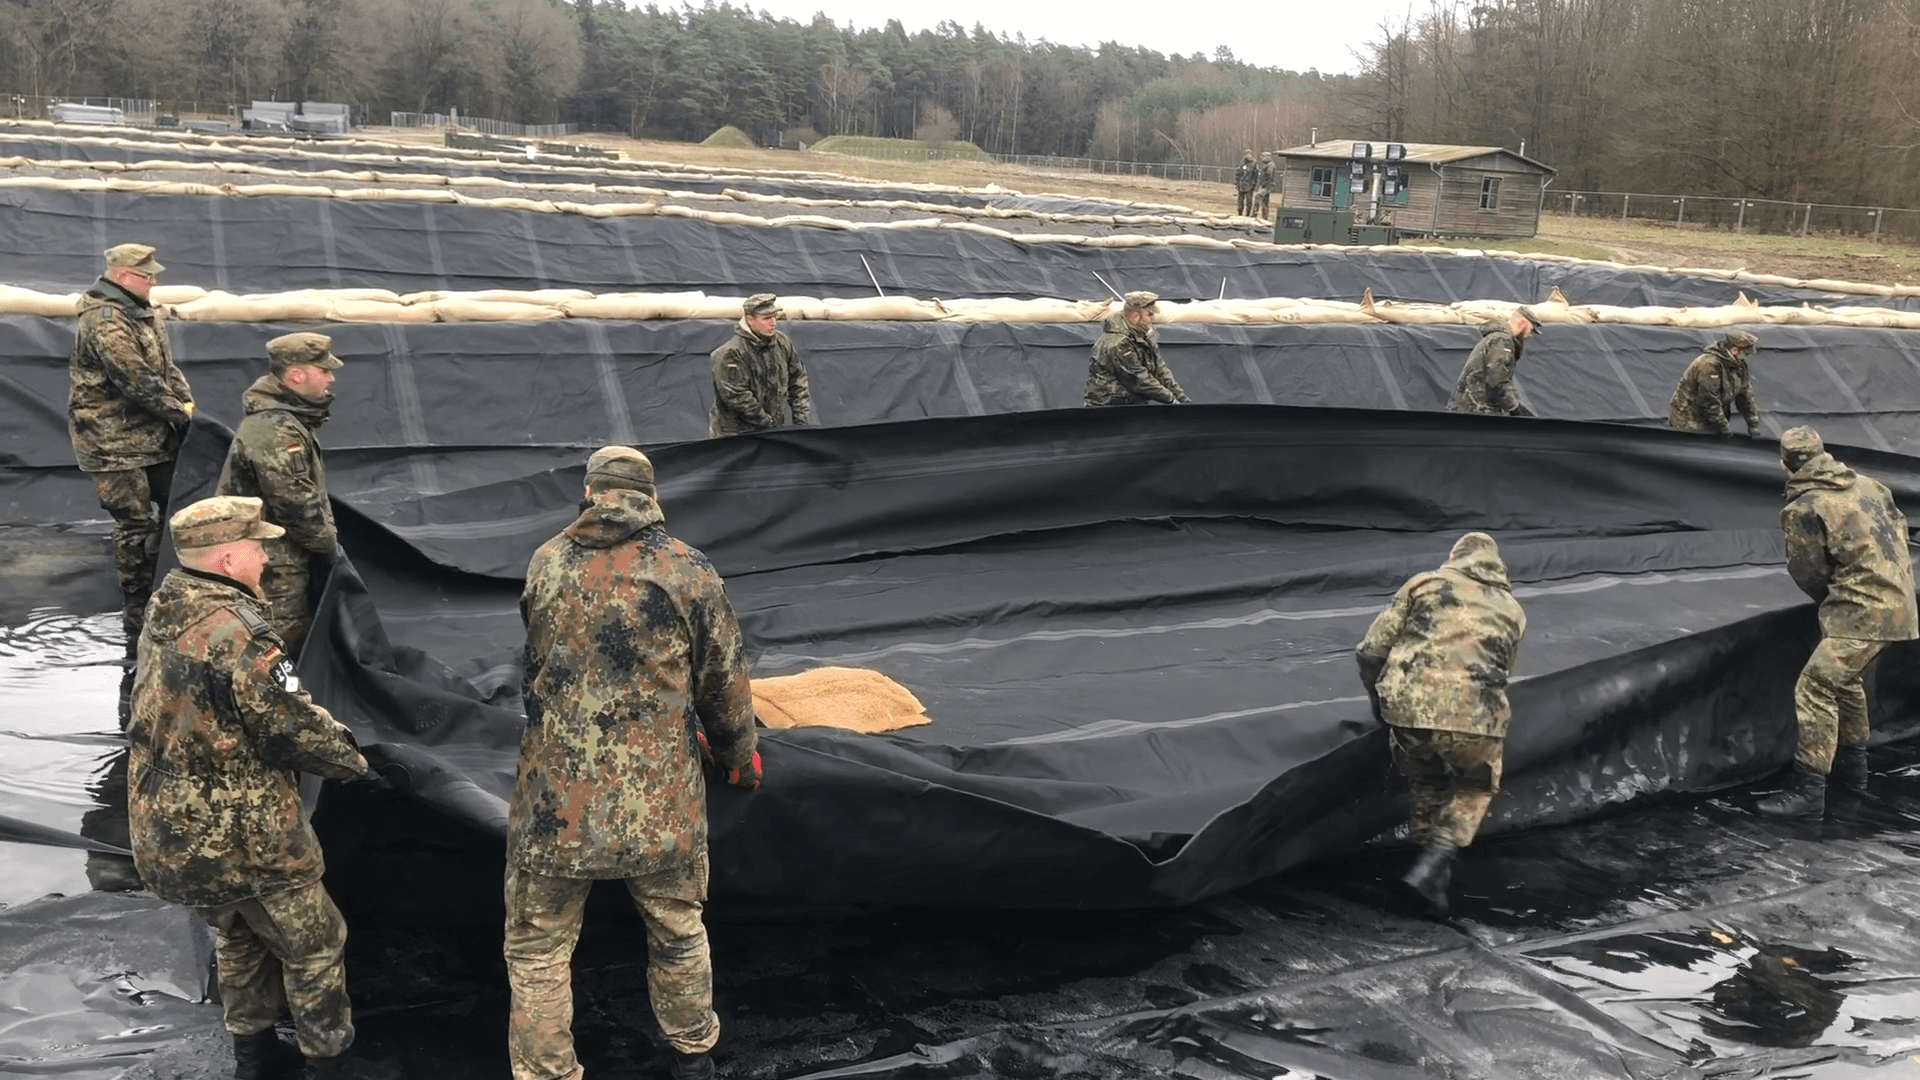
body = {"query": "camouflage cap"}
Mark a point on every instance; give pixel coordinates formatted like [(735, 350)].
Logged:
[(1141, 301), (1740, 339), (620, 463), (134, 256), (305, 347), (1266, 155), (1800, 445), (763, 303), (1527, 314), (222, 519)]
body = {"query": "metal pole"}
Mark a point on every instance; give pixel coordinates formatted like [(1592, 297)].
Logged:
[(1804, 222), (1878, 216), (1740, 225), (1681, 217), (1625, 201)]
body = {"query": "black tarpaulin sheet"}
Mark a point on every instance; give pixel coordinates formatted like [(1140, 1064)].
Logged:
[(274, 243), (476, 400), (1133, 631)]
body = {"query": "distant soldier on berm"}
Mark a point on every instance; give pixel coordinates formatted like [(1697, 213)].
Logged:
[(758, 379)]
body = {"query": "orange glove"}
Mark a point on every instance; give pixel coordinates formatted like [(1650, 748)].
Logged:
[(747, 776)]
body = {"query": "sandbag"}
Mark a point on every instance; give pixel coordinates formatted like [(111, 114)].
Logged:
[(853, 699)]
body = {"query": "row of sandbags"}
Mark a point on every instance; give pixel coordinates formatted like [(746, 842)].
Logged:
[(611, 210), (427, 181), (414, 153), (379, 305)]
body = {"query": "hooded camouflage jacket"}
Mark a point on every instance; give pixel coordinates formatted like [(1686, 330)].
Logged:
[(126, 402), (1486, 383), (1126, 368), (275, 457), (1713, 386), (219, 731), (1440, 655), (1847, 548), (632, 647), (755, 381), (1246, 175)]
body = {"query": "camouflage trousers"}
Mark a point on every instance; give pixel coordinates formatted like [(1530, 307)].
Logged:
[(285, 951), (543, 924), (1261, 201), (130, 496), (284, 585), (1830, 700), (1452, 776), (1244, 204)]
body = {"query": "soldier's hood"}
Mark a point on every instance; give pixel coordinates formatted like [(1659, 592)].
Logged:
[(105, 293), (1117, 324), (1719, 351), (743, 330), (1497, 326), (268, 392), (187, 596), (614, 517), (1820, 473), (1478, 557)]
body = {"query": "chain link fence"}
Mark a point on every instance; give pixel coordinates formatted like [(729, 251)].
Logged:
[(480, 124), (1772, 217), (1166, 170)]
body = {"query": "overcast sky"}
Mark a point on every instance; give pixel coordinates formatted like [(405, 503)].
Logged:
[(1292, 34)]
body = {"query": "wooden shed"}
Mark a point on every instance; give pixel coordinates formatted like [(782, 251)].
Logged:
[(1450, 190)]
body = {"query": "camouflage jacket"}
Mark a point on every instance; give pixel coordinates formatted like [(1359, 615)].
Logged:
[(219, 731), (1263, 178), (1714, 385), (755, 381), (126, 402), (1245, 175), (1486, 383), (1440, 655), (631, 647), (275, 457), (1126, 368), (1847, 548)]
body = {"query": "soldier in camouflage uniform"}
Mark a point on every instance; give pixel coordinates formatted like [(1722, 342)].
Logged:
[(1263, 185), (1245, 179), (1435, 664), (219, 732), (1126, 368), (127, 409), (1846, 548), (1486, 383), (633, 669), (275, 457), (757, 375), (1714, 385)]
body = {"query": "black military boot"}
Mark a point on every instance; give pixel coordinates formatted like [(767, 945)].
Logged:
[(263, 1055), (1431, 874), (344, 1066), (1805, 796), (692, 1066), (1849, 769)]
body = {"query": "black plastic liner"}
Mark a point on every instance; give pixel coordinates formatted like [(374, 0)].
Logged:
[(469, 402), (1133, 630), (274, 243)]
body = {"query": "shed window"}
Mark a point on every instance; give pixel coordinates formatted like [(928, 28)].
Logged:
[(1321, 185), (1490, 193)]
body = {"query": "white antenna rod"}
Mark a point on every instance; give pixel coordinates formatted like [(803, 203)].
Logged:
[(870, 277), (1110, 288)]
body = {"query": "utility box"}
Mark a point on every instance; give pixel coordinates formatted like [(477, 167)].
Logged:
[(1312, 226), (1369, 235)]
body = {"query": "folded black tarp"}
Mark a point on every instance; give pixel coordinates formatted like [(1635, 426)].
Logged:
[(477, 400), (273, 243), (1133, 630)]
